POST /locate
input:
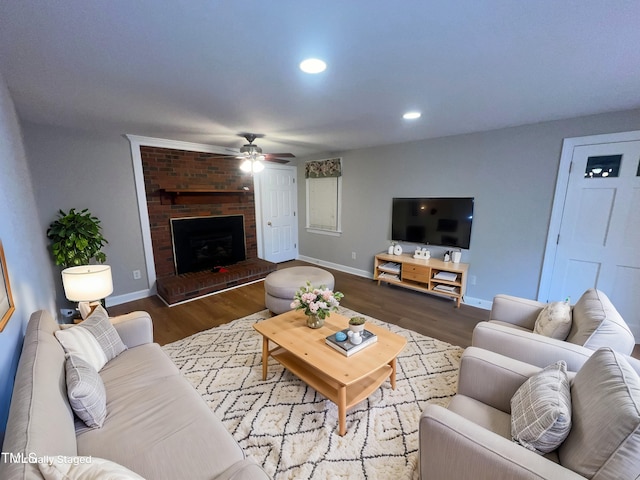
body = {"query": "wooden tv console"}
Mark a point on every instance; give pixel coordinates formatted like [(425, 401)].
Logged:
[(429, 276)]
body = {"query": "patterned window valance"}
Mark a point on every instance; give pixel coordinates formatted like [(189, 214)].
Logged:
[(323, 168)]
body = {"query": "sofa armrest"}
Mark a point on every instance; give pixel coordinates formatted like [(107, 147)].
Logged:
[(491, 378), (453, 447), (515, 310), (135, 328), (528, 347), (244, 470)]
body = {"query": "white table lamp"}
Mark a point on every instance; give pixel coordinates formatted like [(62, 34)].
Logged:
[(87, 283)]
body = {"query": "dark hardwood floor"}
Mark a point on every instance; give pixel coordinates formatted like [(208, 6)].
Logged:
[(427, 314)]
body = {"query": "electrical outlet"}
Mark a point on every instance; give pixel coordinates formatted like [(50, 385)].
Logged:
[(472, 279), (67, 312), (137, 275), (353, 255)]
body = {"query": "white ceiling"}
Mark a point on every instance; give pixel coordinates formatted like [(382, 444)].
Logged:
[(207, 70)]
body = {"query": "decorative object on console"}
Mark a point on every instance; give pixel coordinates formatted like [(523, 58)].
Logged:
[(7, 306), (87, 283), (317, 303), (456, 256), (423, 253), (397, 250)]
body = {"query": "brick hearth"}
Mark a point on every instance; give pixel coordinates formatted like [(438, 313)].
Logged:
[(183, 287)]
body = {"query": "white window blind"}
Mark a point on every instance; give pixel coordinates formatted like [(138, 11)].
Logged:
[(324, 195)]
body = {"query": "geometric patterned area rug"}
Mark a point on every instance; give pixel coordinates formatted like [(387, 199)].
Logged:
[(291, 430)]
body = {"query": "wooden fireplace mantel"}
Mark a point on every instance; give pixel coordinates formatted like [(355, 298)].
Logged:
[(190, 196)]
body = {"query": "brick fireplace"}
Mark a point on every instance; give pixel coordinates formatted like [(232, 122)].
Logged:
[(185, 184)]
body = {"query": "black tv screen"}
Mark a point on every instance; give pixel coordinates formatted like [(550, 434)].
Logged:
[(433, 221)]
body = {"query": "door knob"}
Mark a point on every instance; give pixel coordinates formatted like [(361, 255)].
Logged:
[(269, 223)]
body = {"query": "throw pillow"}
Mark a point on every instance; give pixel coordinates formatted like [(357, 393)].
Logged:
[(86, 392), (541, 410), (605, 438), (554, 320), (95, 340), (597, 323), (75, 468)]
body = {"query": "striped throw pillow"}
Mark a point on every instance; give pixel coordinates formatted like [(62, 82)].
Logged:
[(541, 410), (86, 392), (95, 340)]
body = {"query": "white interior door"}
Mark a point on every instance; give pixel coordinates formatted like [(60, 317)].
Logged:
[(278, 213), (599, 236)]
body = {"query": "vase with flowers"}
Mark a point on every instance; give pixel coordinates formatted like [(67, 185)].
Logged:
[(317, 303)]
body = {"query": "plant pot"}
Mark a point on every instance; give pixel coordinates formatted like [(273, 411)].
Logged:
[(356, 328), (313, 321)]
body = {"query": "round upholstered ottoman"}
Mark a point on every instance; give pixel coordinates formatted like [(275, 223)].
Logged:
[(280, 286)]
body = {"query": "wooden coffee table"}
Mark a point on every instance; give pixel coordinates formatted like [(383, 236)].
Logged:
[(345, 381)]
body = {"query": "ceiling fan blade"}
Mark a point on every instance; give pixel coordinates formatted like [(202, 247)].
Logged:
[(282, 155), (275, 160)]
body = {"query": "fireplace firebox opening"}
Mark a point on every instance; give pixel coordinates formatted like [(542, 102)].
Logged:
[(206, 243)]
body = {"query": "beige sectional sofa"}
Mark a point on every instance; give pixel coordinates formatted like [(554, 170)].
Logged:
[(157, 425)]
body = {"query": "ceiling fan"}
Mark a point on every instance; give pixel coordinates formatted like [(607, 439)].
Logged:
[(253, 156)]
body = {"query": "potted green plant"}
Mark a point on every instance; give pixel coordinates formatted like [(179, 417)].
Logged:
[(76, 238), (356, 324)]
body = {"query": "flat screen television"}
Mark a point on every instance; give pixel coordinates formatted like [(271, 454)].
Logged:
[(433, 221)]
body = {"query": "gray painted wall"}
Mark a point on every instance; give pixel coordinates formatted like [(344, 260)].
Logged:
[(77, 169), (24, 246), (510, 172)]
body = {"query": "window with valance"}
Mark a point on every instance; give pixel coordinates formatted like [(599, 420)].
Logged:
[(324, 196)]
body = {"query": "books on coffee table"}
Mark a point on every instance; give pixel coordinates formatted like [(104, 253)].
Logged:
[(346, 347)]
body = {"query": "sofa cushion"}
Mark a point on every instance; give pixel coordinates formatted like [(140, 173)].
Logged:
[(94, 340), (86, 392), (482, 414), (541, 410), (597, 323), (84, 468), (554, 320), (604, 442), (153, 409)]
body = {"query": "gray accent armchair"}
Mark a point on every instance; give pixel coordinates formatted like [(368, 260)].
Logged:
[(595, 323), (471, 438)]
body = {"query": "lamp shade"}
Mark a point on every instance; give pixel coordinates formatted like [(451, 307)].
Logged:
[(87, 283)]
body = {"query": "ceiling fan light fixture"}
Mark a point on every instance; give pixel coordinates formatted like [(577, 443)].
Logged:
[(246, 166), (258, 166), (411, 115), (313, 65)]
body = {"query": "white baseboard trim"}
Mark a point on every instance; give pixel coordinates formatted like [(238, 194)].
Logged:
[(477, 302), (337, 266), (128, 297)]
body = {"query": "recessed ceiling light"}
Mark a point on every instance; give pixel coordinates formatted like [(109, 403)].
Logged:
[(313, 65), (411, 115)]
